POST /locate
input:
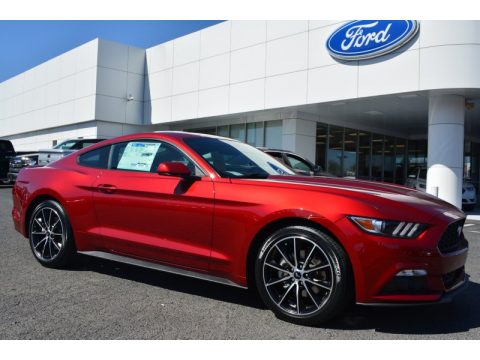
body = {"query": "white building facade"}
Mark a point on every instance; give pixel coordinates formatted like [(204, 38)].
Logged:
[(272, 84)]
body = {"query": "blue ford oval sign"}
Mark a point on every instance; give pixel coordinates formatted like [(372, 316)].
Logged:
[(366, 39)]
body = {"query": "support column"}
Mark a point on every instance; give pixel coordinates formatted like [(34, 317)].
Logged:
[(299, 136), (446, 117)]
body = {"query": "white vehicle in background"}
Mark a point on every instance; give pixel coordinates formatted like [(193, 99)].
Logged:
[(418, 180), (46, 156)]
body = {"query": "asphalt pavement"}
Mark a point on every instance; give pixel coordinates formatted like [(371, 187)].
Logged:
[(99, 299)]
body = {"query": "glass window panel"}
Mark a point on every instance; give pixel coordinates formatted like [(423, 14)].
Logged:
[(273, 134), (97, 158), (417, 155), (299, 165), (237, 132), (377, 156), (321, 148), (277, 156), (400, 149), (334, 155), (223, 131), (350, 153), (364, 139), (255, 134), (388, 158)]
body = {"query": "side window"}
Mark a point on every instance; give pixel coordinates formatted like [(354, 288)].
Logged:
[(277, 156), (97, 158), (298, 163), (147, 155)]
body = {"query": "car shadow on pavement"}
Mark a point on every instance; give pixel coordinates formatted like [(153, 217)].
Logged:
[(459, 316), (169, 281)]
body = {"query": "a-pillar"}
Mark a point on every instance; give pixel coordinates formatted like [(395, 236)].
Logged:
[(446, 117)]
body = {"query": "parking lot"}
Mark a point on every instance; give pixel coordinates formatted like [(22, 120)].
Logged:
[(98, 299)]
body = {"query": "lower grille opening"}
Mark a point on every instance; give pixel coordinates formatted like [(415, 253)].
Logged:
[(452, 239), (406, 285), (453, 278)]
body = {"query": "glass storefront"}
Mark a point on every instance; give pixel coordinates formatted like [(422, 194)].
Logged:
[(363, 155), (353, 153), (259, 134)]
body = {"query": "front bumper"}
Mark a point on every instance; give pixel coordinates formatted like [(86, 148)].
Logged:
[(446, 298), (378, 260)]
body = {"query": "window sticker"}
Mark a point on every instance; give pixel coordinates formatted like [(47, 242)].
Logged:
[(138, 156), (277, 169)]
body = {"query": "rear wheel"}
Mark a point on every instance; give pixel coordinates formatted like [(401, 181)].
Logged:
[(302, 275), (50, 235)]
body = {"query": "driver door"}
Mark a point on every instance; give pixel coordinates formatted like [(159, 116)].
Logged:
[(155, 217)]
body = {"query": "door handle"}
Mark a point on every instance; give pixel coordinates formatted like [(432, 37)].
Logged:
[(106, 188)]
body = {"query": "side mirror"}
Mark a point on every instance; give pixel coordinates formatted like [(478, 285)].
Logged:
[(174, 169)]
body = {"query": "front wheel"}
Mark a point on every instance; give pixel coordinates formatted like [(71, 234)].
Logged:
[(302, 275), (50, 235)]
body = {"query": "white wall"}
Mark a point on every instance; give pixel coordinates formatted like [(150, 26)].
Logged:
[(120, 73), (90, 82), (58, 92), (43, 139), (240, 66), (110, 129)]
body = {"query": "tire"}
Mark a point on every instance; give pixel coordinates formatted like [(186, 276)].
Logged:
[(310, 289), (50, 235)]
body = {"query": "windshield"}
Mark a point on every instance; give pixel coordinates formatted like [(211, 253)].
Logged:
[(234, 159)]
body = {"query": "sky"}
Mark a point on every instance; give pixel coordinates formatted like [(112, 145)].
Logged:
[(25, 44)]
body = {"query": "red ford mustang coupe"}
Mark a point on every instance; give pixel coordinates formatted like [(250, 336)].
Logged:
[(220, 210)]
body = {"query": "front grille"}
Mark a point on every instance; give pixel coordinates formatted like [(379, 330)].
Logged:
[(452, 239), (453, 278)]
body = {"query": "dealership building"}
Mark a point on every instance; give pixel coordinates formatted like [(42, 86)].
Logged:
[(377, 104)]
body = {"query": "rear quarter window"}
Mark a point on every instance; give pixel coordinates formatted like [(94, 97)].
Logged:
[(97, 158)]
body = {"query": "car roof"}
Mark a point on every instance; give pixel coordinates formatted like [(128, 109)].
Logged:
[(276, 150), (165, 135)]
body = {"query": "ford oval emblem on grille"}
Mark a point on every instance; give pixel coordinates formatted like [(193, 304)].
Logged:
[(366, 39)]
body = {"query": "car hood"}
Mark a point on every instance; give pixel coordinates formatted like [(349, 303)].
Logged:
[(384, 197)]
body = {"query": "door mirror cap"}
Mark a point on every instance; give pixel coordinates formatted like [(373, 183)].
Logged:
[(174, 169)]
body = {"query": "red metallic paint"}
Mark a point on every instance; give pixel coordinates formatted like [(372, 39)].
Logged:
[(209, 224)]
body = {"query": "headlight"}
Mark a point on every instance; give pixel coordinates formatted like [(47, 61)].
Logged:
[(398, 229)]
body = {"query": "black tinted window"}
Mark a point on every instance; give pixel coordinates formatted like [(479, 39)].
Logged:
[(236, 159), (298, 163), (277, 156), (97, 158)]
